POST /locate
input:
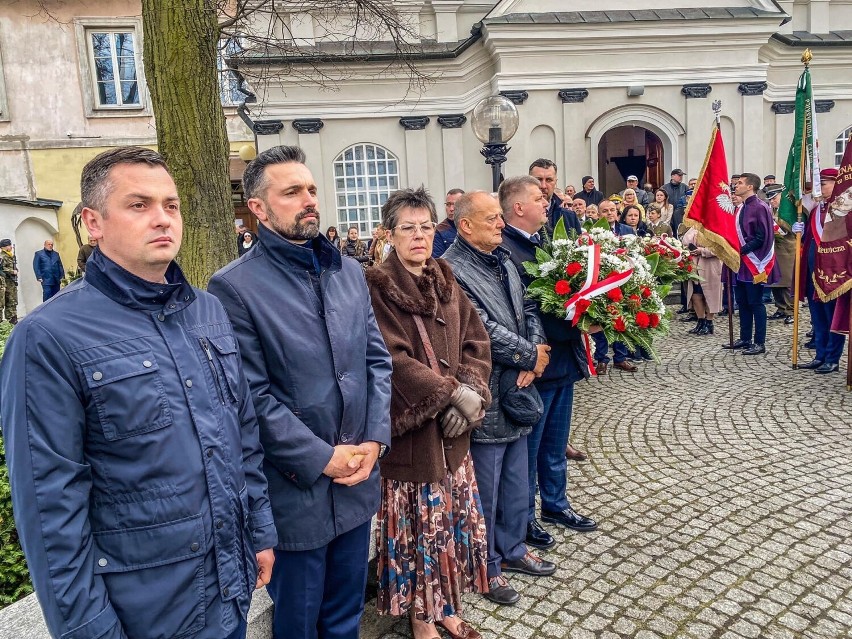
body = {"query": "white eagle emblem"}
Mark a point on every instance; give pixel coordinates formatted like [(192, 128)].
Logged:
[(724, 199)]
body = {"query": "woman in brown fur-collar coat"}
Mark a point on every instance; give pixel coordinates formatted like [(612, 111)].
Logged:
[(431, 536)]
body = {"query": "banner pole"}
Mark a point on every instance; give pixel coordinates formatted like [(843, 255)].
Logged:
[(796, 291)]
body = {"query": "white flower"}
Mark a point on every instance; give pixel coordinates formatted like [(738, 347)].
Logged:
[(545, 268)]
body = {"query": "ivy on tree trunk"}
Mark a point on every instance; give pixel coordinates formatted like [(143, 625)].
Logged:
[(180, 44)]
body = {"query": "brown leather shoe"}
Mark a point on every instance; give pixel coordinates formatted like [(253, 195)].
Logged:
[(627, 367), (573, 453), (602, 368), (465, 631)]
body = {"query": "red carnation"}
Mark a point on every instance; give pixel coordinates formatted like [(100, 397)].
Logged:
[(689, 268), (562, 287), (619, 324), (646, 292), (582, 306), (661, 251), (573, 268), (615, 295), (654, 320), (642, 319), (635, 299)]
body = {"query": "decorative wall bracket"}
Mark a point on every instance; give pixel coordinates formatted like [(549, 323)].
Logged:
[(452, 121), (696, 90), (414, 123), (308, 125), (571, 96), (517, 97), (267, 127), (752, 88)]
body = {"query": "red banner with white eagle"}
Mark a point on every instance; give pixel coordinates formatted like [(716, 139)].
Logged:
[(711, 209)]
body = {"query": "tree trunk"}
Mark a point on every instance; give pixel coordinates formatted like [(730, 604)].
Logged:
[(180, 44)]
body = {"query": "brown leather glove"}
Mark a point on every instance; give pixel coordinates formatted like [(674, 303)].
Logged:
[(453, 423), (469, 403)]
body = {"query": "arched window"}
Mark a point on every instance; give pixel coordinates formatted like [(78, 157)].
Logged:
[(840, 145), (364, 176)]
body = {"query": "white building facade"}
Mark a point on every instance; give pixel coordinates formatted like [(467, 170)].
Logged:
[(624, 88)]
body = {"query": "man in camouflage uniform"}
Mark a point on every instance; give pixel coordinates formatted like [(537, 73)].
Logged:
[(9, 282)]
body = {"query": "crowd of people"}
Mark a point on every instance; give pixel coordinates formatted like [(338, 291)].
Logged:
[(199, 445)]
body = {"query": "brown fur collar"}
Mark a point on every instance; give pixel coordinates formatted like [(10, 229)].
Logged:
[(420, 296)]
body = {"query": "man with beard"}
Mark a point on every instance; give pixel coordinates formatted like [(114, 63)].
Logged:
[(319, 375)]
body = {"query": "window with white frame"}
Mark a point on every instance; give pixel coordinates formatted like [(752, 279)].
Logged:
[(229, 82), (840, 145), (364, 176), (113, 56)]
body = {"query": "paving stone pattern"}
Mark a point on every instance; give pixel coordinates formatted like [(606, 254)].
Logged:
[(722, 485)]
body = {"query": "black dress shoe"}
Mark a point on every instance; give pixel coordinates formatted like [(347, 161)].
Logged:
[(827, 368), (777, 315), (810, 344), (573, 453), (529, 564), (538, 536), (813, 364), (788, 320), (754, 349), (569, 519), (737, 345), (810, 333), (683, 310), (689, 318), (500, 592)]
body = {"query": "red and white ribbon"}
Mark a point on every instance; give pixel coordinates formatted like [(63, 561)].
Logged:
[(591, 287), (676, 251)]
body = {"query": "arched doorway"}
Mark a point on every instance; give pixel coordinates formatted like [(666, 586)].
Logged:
[(629, 150), (668, 136)]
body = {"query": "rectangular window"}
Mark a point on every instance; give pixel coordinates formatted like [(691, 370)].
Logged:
[(113, 57)]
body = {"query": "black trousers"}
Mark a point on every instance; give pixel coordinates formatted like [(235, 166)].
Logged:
[(752, 311)]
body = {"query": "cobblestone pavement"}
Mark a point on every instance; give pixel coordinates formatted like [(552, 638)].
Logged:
[(722, 485)]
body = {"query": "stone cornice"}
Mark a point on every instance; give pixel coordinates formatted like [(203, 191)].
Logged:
[(308, 125), (414, 123), (573, 95)]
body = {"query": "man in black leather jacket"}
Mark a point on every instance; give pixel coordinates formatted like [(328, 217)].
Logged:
[(499, 448), (524, 211)]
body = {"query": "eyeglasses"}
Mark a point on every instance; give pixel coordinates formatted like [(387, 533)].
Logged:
[(408, 230)]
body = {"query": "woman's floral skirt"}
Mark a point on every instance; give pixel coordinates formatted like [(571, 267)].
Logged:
[(432, 545)]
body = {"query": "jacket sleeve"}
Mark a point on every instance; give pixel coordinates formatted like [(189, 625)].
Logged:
[(475, 361), (418, 392), (535, 330), (261, 521), (507, 348), (379, 370), (44, 429), (37, 267), (287, 442), (60, 269)]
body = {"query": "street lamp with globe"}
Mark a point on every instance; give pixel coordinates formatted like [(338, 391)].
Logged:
[(495, 121)]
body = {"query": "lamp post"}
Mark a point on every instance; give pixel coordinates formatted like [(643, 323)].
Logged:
[(495, 121)]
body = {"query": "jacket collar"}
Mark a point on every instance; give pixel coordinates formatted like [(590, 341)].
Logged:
[(494, 258), (415, 295), (125, 288), (302, 255)]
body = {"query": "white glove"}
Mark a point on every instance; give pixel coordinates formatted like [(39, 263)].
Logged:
[(799, 227)]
